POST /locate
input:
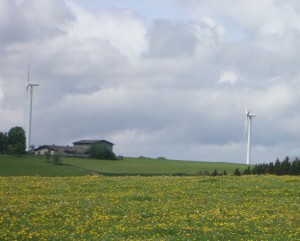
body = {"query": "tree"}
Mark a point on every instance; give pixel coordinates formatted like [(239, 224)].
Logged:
[(57, 158), (99, 151), (277, 167), (286, 166), (247, 171), (237, 172), (214, 173), (47, 155), (16, 141), (3, 143), (295, 166), (270, 169)]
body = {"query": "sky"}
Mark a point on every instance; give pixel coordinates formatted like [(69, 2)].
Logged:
[(156, 78)]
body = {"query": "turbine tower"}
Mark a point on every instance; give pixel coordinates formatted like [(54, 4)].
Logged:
[(29, 89), (249, 125)]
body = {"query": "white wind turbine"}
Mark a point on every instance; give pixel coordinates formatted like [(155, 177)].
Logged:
[(249, 126), (29, 89)]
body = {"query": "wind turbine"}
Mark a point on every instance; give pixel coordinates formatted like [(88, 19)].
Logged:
[(29, 89), (249, 125)]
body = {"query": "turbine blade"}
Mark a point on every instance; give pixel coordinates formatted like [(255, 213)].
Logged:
[(250, 110), (28, 74)]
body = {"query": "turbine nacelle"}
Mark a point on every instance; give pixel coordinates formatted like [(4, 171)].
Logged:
[(31, 84), (248, 113), (251, 115)]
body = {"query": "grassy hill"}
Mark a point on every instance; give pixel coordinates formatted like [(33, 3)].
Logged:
[(11, 165), (37, 165), (148, 166)]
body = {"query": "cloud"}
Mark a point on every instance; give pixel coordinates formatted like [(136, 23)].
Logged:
[(172, 40), (121, 28), (1, 92), (228, 77), (32, 20)]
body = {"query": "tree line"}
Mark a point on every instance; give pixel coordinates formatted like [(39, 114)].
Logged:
[(286, 167), (13, 141)]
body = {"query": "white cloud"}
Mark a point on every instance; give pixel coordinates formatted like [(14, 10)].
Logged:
[(228, 77), (121, 28), (278, 98)]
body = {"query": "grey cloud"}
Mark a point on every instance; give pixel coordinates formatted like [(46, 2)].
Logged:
[(167, 40), (33, 20)]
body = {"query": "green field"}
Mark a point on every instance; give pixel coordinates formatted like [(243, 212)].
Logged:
[(37, 165), (11, 165), (150, 208), (151, 166)]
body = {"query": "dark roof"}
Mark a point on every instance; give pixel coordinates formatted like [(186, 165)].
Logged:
[(51, 147), (87, 142)]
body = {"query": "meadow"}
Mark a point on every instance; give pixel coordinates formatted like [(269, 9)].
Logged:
[(150, 166), (13, 165), (150, 208), (37, 165)]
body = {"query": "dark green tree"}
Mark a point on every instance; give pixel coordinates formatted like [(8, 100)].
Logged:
[(286, 166), (270, 169), (214, 173), (237, 172), (16, 140), (295, 166), (3, 142), (255, 170), (247, 171), (100, 151), (277, 167)]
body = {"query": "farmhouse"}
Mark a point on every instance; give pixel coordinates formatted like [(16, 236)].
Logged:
[(64, 150), (79, 148)]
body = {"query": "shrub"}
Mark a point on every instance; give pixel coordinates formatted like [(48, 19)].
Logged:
[(47, 155), (247, 171), (57, 158)]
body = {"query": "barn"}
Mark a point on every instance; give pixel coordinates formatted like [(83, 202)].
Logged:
[(87, 143)]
